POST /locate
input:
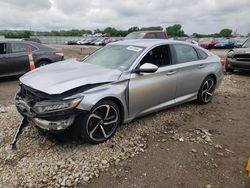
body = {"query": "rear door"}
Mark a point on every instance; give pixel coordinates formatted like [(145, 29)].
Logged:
[(17, 57), (191, 70)]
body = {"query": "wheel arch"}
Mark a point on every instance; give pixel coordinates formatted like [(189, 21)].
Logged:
[(213, 76), (43, 59), (119, 104)]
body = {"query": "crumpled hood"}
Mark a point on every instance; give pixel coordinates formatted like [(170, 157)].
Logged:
[(62, 76)]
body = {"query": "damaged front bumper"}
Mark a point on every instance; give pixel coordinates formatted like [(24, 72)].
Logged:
[(57, 125), (56, 120)]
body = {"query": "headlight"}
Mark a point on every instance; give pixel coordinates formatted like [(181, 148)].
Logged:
[(46, 107), (230, 54)]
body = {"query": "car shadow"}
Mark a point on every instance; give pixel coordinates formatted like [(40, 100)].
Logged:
[(9, 78)]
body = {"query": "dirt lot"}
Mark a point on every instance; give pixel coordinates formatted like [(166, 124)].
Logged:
[(186, 146)]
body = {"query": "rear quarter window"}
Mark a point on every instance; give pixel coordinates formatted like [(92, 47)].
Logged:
[(202, 54)]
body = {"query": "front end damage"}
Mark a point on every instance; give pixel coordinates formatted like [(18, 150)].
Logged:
[(48, 112)]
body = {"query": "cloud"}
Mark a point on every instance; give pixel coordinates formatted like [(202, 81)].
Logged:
[(202, 16)]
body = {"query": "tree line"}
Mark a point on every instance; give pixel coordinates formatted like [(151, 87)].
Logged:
[(173, 31)]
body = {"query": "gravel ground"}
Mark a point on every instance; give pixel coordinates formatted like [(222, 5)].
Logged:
[(50, 161)]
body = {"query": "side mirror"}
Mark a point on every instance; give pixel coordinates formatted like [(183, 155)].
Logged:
[(146, 68)]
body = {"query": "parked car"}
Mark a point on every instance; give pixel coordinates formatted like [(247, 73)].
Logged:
[(99, 42), (147, 35), (238, 58), (93, 103), (223, 43), (14, 56), (88, 41), (71, 42), (32, 39), (97, 35), (207, 43), (239, 42), (106, 35), (79, 42)]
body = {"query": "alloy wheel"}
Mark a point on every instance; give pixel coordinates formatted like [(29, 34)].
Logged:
[(102, 122), (207, 90)]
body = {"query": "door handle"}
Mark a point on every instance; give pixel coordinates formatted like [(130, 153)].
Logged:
[(201, 66), (171, 72)]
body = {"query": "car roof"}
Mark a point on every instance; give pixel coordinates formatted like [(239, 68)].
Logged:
[(18, 41), (147, 42)]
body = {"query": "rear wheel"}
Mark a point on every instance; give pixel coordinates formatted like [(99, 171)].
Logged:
[(101, 123), (42, 63), (206, 90)]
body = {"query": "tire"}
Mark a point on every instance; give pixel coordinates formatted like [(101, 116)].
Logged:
[(227, 69), (93, 128), (42, 63), (206, 90)]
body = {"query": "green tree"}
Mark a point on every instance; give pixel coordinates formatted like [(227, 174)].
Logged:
[(133, 29), (226, 33), (175, 31)]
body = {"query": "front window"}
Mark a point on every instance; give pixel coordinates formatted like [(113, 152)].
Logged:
[(115, 56), (246, 44)]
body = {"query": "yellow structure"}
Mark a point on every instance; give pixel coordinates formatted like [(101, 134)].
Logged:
[(248, 167)]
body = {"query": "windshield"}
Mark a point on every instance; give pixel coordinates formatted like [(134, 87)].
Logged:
[(115, 56), (246, 44), (132, 36)]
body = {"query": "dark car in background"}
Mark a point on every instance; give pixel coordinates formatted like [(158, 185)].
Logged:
[(14, 56), (147, 35), (223, 43), (238, 58), (32, 39)]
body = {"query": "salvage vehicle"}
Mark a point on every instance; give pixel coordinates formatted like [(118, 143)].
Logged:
[(207, 43), (147, 35), (238, 58), (14, 58), (116, 84)]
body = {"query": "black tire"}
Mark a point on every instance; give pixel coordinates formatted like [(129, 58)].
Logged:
[(206, 90), (93, 130), (227, 69), (42, 63)]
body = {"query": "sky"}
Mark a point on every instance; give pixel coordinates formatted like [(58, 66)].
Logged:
[(200, 16)]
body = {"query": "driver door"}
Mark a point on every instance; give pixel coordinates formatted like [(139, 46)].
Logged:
[(150, 92)]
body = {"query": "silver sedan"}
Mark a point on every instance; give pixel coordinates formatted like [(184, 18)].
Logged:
[(117, 84)]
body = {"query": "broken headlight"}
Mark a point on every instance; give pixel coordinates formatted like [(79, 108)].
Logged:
[(49, 106)]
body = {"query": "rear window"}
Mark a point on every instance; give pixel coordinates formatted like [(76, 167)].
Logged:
[(160, 35), (21, 47), (185, 53), (150, 36)]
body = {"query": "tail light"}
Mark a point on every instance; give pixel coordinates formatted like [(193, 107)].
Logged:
[(222, 61), (60, 54)]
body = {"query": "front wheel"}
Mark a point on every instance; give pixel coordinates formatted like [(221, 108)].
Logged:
[(206, 90), (101, 122)]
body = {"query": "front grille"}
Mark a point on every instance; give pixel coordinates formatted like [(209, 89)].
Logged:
[(242, 57)]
